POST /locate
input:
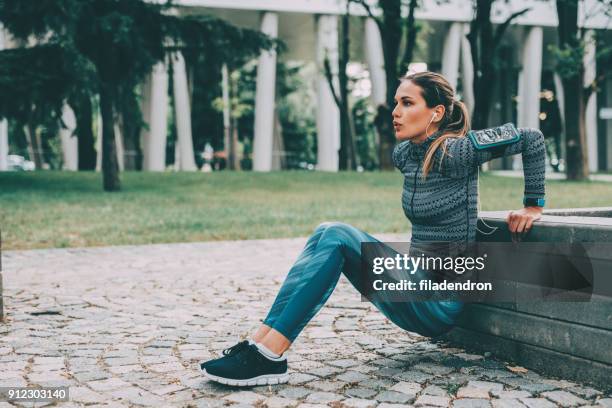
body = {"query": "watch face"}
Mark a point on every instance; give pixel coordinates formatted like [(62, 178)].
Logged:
[(495, 135)]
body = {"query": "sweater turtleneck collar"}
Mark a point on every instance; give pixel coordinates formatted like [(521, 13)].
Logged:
[(419, 149)]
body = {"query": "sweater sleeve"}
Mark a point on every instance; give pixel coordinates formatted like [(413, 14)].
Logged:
[(462, 157)]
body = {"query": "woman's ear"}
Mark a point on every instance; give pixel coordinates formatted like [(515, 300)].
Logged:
[(440, 110)]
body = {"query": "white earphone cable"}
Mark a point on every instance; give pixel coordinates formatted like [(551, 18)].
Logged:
[(427, 128), (492, 229)]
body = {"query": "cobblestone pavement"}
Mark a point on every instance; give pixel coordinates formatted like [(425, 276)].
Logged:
[(126, 326)]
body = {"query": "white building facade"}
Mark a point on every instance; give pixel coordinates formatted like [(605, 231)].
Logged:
[(310, 30)]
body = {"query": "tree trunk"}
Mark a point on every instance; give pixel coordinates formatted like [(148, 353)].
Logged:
[(391, 35), (575, 129), (483, 52), (81, 105), (232, 147), (411, 30), (573, 89), (384, 126), (110, 168), (347, 148), (391, 31), (34, 144), (482, 104)]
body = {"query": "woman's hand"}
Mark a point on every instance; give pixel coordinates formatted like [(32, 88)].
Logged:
[(520, 221)]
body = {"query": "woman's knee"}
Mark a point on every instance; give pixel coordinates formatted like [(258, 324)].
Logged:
[(342, 235), (337, 228), (329, 224)]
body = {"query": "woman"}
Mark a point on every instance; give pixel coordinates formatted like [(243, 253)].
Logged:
[(440, 165)]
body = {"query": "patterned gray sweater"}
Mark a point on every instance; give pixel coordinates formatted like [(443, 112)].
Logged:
[(443, 207)]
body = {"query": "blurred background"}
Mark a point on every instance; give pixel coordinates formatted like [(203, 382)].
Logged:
[(131, 92)]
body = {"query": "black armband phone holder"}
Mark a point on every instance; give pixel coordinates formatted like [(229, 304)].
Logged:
[(494, 139)]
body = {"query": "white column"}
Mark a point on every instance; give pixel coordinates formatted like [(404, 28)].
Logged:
[(559, 95), (528, 112), (99, 142), (376, 62), (467, 70), (530, 79), (590, 71), (328, 114), (119, 147), (70, 142), (182, 113), (265, 94), (226, 110), (4, 147), (561, 101), (155, 111), (451, 52)]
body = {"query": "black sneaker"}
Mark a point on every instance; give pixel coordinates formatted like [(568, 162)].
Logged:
[(227, 352), (243, 365)]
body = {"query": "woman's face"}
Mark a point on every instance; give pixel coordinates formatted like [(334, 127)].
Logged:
[(411, 115)]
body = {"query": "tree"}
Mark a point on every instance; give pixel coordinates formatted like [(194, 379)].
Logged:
[(32, 84), (294, 106), (485, 47), (207, 103), (80, 102), (347, 154), (393, 27), (570, 66), (119, 41)]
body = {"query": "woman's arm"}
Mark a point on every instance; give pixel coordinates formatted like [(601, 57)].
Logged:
[(463, 156)]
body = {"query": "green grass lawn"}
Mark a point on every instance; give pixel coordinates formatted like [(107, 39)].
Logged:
[(64, 209)]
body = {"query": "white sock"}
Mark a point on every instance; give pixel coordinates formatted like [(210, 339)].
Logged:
[(267, 352)]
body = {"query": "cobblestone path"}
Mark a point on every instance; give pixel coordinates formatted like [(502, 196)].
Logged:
[(126, 326)]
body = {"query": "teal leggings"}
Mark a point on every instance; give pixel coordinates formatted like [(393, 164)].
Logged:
[(334, 248)]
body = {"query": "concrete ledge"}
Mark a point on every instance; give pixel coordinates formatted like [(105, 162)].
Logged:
[(581, 212), (560, 365), (568, 339)]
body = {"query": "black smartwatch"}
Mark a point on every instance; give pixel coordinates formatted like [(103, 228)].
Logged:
[(533, 202)]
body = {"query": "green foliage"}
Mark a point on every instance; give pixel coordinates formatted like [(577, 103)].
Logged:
[(104, 45), (220, 41), (132, 123), (365, 133), (34, 81), (206, 119), (569, 59), (242, 102), (294, 105), (296, 111), (40, 18)]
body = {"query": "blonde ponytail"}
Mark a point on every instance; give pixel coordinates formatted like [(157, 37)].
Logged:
[(458, 124)]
